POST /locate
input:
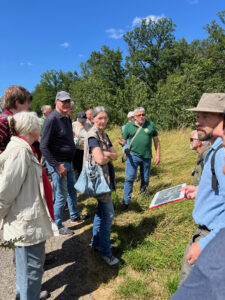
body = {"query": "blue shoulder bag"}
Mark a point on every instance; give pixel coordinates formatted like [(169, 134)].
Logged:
[(91, 180)]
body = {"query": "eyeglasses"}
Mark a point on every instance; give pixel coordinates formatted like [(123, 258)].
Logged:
[(140, 115), (193, 139)]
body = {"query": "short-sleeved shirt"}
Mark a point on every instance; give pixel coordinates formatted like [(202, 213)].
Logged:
[(142, 143), (93, 142)]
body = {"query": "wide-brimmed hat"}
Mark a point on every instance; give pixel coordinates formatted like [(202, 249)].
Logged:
[(81, 116), (211, 102), (62, 96)]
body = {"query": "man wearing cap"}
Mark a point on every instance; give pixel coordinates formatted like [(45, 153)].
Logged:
[(140, 152), (58, 148), (202, 148), (209, 210)]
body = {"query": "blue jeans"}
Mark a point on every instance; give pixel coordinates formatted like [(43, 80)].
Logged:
[(64, 191), (132, 163), (29, 270), (102, 227)]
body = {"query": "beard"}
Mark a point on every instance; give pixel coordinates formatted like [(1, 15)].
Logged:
[(203, 136)]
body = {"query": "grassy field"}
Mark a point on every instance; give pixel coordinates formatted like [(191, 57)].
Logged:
[(151, 243)]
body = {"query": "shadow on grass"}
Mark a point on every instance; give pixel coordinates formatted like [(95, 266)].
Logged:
[(131, 235)]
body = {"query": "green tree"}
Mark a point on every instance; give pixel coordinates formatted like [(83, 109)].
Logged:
[(148, 47), (51, 82)]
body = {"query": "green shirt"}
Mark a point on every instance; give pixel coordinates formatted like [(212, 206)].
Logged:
[(142, 143)]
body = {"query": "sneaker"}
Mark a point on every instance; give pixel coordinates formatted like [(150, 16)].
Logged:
[(80, 218), (44, 295), (65, 231), (125, 207), (111, 260)]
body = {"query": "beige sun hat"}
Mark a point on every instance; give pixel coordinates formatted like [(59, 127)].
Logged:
[(211, 102)]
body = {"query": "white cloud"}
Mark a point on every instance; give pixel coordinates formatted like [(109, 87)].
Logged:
[(115, 33), (137, 20), (81, 55), (65, 45), (26, 64)]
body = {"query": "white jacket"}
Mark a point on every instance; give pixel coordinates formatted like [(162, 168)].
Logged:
[(23, 207)]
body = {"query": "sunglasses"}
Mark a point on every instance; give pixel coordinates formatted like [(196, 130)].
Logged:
[(224, 121), (193, 139), (140, 115)]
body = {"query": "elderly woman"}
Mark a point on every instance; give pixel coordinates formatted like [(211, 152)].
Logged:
[(25, 202), (102, 152)]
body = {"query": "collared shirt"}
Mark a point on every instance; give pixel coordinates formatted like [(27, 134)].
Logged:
[(209, 207), (4, 130), (142, 143), (57, 143)]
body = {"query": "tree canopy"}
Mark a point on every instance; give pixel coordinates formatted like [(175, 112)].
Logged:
[(160, 73)]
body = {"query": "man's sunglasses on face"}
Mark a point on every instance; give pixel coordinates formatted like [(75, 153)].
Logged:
[(193, 139), (140, 115)]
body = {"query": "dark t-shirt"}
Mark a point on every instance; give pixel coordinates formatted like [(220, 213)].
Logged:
[(93, 142)]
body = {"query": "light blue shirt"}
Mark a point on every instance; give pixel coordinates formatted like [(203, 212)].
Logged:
[(128, 141), (209, 207)]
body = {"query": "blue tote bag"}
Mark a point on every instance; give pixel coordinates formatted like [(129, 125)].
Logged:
[(92, 181)]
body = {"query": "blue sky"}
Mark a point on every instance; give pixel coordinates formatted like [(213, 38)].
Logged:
[(40, 35)]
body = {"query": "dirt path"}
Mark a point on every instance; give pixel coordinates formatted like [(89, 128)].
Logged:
[(77, 273)]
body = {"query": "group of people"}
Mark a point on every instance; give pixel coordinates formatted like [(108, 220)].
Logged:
[(27, 212)]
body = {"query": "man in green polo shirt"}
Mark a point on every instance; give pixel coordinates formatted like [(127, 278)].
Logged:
[(140, 152)]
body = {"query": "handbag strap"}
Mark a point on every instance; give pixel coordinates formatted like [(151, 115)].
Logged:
[(129, 146)]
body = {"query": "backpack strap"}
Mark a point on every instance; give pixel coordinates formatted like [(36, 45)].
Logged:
[(214, 178), (201, 160)]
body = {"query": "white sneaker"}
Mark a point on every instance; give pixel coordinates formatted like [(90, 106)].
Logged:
[(111, 260)]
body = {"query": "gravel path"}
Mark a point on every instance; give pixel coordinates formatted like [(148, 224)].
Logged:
[(77, 273)]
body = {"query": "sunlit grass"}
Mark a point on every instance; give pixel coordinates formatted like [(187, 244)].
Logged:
[(151, 243)]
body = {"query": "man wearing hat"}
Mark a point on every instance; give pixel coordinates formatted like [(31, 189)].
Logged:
[(58, 148), (209, 210)]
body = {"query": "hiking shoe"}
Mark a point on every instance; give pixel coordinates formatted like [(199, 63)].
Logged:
[(65, 231), (80, 218), (125, 207), (44, 295), (111, 260)]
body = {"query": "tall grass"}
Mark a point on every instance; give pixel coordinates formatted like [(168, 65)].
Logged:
[(151, 243)]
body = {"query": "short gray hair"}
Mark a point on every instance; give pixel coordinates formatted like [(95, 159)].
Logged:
[(138, 109), (99, 109), (24, 122), (45, 107), (72, 104)]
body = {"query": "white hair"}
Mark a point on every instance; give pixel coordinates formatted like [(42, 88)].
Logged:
[(194, 134), (25, 122), (72, 104), (139, 109), (45, 107), (99, 109)]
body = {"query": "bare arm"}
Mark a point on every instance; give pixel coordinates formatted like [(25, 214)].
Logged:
[(103, 157), (157, 149)]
